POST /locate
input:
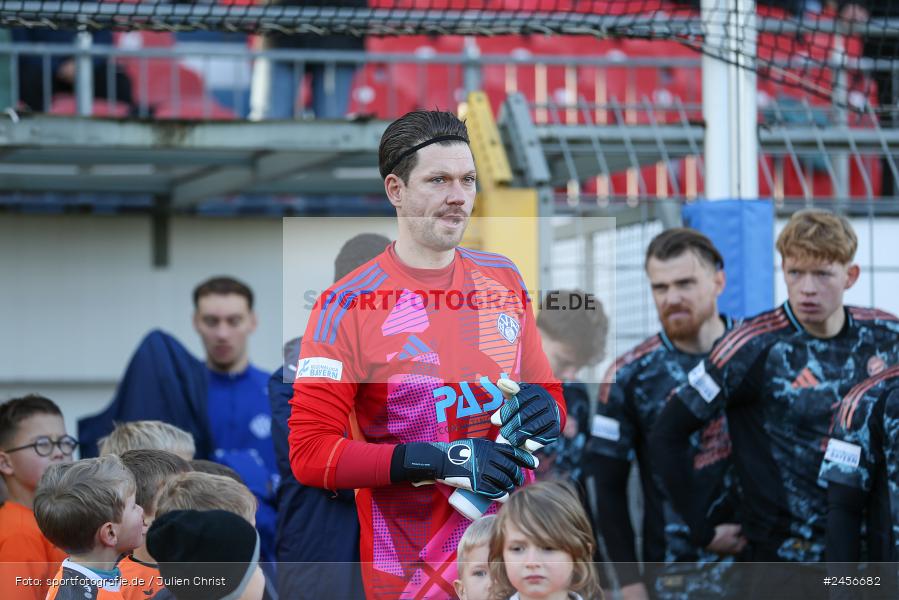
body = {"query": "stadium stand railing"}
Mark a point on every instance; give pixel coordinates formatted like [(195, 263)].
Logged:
[(632, 108)]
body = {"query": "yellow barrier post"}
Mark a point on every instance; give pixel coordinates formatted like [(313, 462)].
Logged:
[(504, 218)]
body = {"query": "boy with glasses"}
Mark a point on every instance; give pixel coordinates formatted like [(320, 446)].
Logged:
[(32, 437)]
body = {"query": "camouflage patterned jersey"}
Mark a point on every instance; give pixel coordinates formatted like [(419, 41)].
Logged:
[(781, 387), (864, 450), (638, 385)]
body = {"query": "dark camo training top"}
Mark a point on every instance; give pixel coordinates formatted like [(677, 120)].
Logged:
[(640, 383), (864, 448), (781, 387)]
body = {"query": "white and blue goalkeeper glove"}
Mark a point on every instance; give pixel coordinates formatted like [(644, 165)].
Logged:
[(475, 464), (530, 418)]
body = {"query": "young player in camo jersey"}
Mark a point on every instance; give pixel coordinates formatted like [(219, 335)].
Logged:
[(861, 468), (780, 376), (685, 271)]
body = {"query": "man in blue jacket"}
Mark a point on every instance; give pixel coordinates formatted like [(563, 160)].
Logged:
[(237, 407), (223, 403)]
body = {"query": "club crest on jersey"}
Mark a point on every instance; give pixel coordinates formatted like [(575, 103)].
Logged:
[(876, 365), (458, 454), (261, 426), (508, 327)]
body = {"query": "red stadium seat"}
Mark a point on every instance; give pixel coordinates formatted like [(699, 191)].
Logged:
[(193, 109), (65, 104), (155, 81)]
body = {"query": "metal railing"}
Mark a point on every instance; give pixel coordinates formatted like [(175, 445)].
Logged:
[(424, 75), (404, 78)]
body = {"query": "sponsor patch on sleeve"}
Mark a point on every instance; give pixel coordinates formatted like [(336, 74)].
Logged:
[(606, 428), (843, 453), (319, 366), (703, 383)]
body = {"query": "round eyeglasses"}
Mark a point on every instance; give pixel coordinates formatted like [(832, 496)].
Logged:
[(43, 446)]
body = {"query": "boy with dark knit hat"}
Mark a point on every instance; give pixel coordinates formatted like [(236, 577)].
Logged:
[(206, 555)]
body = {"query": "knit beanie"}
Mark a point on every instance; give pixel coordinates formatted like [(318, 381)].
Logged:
[(204, 554)]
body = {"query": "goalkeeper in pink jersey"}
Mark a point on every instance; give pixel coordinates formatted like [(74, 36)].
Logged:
[(404, 353)]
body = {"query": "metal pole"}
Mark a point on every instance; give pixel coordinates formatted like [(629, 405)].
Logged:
[(729, 99), (84, 73), (545, 237), (841, 117), (471, 70)]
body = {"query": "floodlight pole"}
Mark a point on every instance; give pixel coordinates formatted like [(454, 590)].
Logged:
[(729, 99)]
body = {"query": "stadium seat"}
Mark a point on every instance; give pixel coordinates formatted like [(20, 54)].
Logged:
[(66, 104), (155, 82), (193, 109)]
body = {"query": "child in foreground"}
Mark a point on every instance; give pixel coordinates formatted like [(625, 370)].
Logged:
[(206, 555), (148, 435), (88, 509), (541, 546), (471, 559), (151, 469), (32, 437), (203, 491)]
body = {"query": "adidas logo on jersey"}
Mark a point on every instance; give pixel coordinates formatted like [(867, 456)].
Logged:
[(805, 379)]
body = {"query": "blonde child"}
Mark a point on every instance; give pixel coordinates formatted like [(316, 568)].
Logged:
[(204, 491), (471, 560), (32, 437), (184, 516), (151, 470), (542, 546), (201, 465), (88, 509), (142, 435)]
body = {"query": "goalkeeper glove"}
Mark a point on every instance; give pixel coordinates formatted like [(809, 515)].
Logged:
[(475, 464), (531, 417)]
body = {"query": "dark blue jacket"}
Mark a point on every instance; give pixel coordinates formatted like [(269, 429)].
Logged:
[(164, 382), (315, 526)]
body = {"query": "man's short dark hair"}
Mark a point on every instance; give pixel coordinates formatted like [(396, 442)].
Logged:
[(410, 130), (16, 410), (671, 243), (222, 286), (357, 251), (577, 319)]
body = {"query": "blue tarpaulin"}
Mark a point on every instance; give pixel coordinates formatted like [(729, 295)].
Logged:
[(743, 231)]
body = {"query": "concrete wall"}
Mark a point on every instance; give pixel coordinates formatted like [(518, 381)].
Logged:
[(77, 293)]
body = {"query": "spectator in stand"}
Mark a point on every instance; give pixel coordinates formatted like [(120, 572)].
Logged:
[(877, 46), (331, 81), (33, 92)]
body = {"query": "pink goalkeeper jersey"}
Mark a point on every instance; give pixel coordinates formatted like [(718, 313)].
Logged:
[(392, 361)]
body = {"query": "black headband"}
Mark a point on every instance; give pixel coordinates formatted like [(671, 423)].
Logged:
[(414, 149)]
